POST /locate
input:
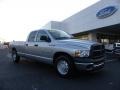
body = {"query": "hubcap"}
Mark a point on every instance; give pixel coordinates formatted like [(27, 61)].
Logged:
[(63, 67)]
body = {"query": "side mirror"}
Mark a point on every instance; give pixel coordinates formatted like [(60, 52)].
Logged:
[(45, 38)]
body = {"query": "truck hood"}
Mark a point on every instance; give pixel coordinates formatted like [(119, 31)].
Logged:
[(76, 43)]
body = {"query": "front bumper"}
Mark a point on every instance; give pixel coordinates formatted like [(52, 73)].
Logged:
[(88, 64)]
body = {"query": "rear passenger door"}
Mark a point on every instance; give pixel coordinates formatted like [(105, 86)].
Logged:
[(30, 43)]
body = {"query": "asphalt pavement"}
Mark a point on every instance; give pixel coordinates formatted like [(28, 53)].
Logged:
[(33, 75)]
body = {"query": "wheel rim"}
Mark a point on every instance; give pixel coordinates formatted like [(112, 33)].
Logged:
[(62, 67), (14, 56)]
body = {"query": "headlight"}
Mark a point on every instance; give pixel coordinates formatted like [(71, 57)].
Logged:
[(82, 53)]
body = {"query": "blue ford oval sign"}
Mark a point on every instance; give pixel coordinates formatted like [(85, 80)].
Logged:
[(106, 12)]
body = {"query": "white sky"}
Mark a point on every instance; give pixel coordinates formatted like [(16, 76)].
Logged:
[(19, 17)]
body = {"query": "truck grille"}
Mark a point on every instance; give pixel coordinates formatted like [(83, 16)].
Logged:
[(97, 51)]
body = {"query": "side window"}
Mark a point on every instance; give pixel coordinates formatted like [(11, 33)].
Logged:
[(40, 33), (32, 36)]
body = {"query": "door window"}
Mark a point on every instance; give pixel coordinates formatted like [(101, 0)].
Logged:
[(41, 33), (32, 36)]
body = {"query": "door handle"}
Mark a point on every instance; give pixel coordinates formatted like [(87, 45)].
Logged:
[(26, 44), (36, 45), (51, 45)]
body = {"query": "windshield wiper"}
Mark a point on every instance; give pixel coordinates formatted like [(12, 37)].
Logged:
[(63, 38)]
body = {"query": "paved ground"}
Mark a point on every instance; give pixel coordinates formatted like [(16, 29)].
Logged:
[(28, 75)]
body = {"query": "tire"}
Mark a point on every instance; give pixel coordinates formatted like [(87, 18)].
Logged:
[(64, 66), (118, 58), (15, 57)]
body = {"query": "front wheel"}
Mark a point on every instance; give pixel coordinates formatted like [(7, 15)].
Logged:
[(15, 57), (64, 66)]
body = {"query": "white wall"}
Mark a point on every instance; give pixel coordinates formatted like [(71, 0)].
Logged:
[(55, 25), (87, 20), (47, 26)]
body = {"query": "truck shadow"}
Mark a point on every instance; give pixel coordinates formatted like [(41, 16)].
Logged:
[(43, 74), (48, 70)]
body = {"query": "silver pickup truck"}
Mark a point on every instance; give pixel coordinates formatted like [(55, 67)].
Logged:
[(60, 49)]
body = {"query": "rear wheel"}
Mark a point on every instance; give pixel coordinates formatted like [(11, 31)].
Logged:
[(64, 66), (15, 56)]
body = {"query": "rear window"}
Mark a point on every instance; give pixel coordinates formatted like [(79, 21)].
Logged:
[(32, 36)]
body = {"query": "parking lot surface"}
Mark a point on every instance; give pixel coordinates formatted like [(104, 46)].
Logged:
[(32, 75)]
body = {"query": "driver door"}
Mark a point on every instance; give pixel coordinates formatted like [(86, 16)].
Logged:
[(42, 48)]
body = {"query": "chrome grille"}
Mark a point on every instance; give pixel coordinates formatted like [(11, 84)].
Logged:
[(97, 51)]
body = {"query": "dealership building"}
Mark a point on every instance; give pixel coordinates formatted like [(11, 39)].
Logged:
[(99, 22)]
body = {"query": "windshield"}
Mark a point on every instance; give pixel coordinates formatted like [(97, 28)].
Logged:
[(59, 34)]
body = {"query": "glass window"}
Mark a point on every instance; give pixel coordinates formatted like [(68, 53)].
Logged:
[(59, 34), (41, 33), (32, 36)]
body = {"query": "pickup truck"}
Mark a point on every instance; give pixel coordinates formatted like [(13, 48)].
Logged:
[(60, 49)]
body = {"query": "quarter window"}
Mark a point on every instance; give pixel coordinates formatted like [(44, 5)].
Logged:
[(32, 36)]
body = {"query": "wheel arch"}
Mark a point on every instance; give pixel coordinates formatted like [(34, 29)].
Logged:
[(57, 54)]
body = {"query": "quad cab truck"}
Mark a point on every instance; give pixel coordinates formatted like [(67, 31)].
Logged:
[(61, 50)]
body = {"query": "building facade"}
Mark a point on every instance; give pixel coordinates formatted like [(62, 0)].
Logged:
[(99, 22)]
